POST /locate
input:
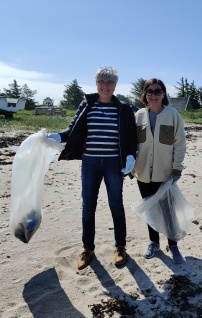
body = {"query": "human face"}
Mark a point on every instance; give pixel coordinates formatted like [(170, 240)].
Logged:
[(105, 89), (155, 101)]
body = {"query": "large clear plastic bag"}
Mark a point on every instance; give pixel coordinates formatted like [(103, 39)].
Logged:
[(167, 211), (30, 164)]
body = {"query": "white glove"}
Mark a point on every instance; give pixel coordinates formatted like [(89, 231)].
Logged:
[(130, 162), (56, 137)]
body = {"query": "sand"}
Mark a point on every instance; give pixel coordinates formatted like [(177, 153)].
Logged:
[(40, 279)]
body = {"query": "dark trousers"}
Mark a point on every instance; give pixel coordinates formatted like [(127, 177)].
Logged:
[(147, 189)]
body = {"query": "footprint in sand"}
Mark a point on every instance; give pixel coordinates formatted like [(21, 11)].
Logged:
[(67, 256)]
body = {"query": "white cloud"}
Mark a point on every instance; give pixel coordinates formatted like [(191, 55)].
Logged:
[(47, 89), (42, 82), (11, 71), (35, 80)]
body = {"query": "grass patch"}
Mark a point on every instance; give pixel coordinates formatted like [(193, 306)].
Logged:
[(192, 117), (25, 120)]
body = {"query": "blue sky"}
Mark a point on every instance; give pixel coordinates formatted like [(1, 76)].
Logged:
[(47, 44)]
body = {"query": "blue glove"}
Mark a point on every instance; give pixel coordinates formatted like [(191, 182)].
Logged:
[(56, 137), (130, 162), (175, 178)]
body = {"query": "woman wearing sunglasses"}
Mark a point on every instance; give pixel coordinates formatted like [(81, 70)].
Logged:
[(161, 151)]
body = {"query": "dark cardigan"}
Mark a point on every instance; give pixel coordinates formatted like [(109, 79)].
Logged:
[(75, 134)]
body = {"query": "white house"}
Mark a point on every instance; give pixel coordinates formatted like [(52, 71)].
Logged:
[(8, 106)]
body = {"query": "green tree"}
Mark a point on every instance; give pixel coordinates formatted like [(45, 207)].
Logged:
[(14, 91), (124, 98), (48, 102), (185, 89), (29, 95), (181, 88), (200, 95), (137, 88), (193, 91), (73, 95), (189, 90)]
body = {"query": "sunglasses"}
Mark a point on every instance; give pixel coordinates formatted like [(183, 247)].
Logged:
[(157, 91)]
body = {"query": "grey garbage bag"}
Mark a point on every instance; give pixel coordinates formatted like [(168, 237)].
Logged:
[(29, 167), (167, 211)]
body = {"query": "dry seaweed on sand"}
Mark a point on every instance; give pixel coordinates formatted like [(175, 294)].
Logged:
[(181, 287), (112, 306), (6, 142), (193, 128), (181, 302), (182, 292)]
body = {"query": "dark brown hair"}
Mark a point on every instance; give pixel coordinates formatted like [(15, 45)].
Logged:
[(149, 82)]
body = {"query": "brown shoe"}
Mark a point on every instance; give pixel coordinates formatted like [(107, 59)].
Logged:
[(120, 255), (85, 258)]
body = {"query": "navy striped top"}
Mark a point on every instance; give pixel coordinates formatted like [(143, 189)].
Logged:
[(102, 136)]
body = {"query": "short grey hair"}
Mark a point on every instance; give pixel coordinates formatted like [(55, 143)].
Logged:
[(107, 73)]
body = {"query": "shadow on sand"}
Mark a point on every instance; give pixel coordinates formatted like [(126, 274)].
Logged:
[(47, 299)]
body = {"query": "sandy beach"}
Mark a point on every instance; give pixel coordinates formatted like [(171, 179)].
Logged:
[(40, 279)]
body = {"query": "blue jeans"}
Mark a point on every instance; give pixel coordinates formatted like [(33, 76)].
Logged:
[(93, 171)]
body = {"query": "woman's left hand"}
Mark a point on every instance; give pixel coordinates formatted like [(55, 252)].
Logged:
[(130, 162)]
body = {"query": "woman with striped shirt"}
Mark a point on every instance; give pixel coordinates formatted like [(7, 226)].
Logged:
[(103, 135)]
